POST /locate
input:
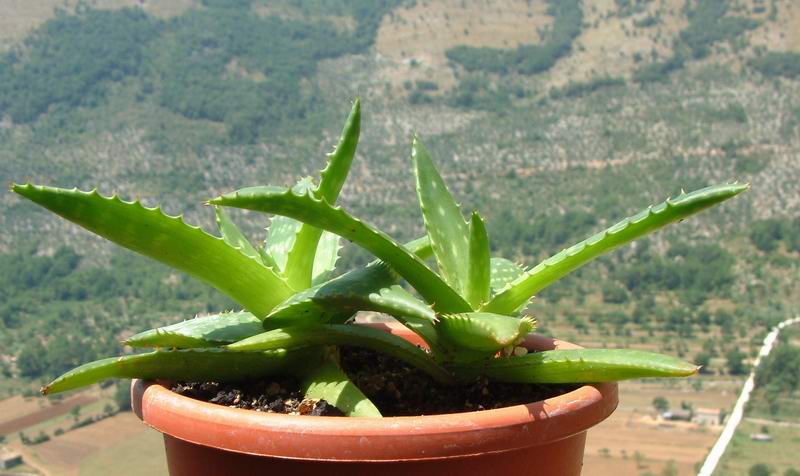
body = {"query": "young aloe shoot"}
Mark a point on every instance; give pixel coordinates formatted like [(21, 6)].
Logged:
[(295, 314)]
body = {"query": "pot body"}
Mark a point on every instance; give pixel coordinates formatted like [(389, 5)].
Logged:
[(540, 438)]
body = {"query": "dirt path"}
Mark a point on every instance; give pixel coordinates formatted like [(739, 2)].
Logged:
[(718, 450), (45, 414)]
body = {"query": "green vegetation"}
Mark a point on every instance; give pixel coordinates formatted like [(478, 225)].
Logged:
[(57, 313), (778, 377), (577, 89), (786, 64), (71, 60), (695, 271), (778, 455), (221, 63), (709, 24), (626, 8), (527, 59), (658, 71), (768, 234), (478, 92)]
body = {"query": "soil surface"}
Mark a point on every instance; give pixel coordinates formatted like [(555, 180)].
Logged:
[(271, 396), (396, 388)]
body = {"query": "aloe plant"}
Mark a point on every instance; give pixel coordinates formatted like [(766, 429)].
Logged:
[(468, 309)]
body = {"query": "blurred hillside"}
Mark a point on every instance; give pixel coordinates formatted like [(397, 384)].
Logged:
[(554, 118)]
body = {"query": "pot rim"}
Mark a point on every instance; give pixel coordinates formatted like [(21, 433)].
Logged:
[(403, 438)]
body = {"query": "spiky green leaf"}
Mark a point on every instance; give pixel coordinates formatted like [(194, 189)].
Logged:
[(206, 331), (345, 334), (199, 365), (446, 227), (580, 366), (319, 304), (371, 288), (334, 175), (233, 235), (326, 257), (503, 272), (328, 382), (320, 214), (483, 331), (367, 289), (652, 218), (301, 260), (479, 278), (167, 239), (283, 231)]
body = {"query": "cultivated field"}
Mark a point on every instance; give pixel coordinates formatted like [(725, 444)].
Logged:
[(121, 442), (780, 454), (634, 442), (18, 413)]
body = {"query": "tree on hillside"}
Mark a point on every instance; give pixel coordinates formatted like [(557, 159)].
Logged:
[(735, 362), (122, 396), (703, 359), (759, 469), (660, 404)]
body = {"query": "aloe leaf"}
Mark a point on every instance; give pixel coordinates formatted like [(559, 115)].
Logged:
[(267, 259), (332, 178), (233, 235), (320, 214), (315, 304), (503, 272), (169, 240), (345, 334), (326, 257), (446, 227), (648, 220), (193, 365), (479, 278), (283, 230), (580, 366), (280, 239), (420, 247), (371, 288), (328, 382), (368, 289), (206, 331), (483, 331), (301, 260)]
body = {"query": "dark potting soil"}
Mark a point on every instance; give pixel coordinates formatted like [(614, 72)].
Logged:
[(396, 388)]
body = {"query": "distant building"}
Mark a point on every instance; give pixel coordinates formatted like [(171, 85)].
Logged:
[(760, 437), (677, 415), (9, 459), (707, 416)]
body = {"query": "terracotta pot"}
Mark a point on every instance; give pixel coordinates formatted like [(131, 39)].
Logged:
[(542, 438)]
